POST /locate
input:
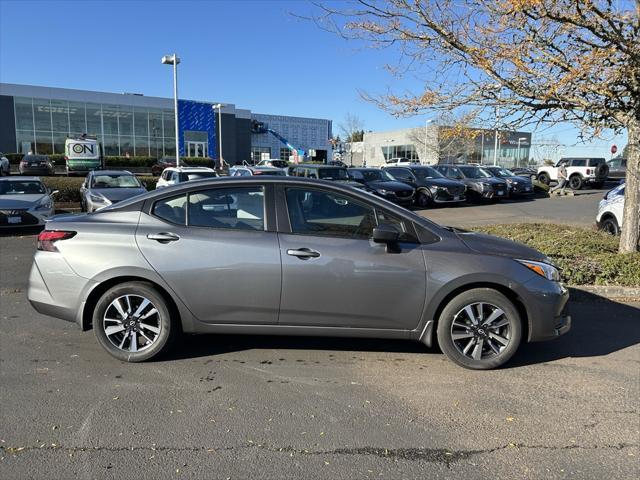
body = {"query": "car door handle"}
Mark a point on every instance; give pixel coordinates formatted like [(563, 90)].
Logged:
[(163, 237), (303, 253)]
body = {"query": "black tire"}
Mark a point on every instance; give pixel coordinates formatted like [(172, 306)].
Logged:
[(511, 331), (602, 172), (575, 182), (544, 178), (610, 226), (162, 321), (423, 199)]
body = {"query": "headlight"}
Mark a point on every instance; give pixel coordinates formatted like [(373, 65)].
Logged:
[(96, 197), (45, 204), (486, 186), (546, 270), (382, 191), (433, 188)]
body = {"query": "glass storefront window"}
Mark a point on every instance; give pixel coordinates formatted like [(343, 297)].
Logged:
[(60, 116), (155, 145), (58, 142), (110, 119), (110, 145), (24, 114), (43, 143), (125, 120), (77, 125), (142, 145), (42, 114), (24, 137), (169, 123), (94, 124), (169, 147), (141, 120), (126, 145)]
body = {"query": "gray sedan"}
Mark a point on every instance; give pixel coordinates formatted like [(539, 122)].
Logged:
[(24, 201), (291, 256), (102, 188)]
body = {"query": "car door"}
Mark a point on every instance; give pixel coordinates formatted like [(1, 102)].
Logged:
[(334, 275), (213, 248), (403, 175)]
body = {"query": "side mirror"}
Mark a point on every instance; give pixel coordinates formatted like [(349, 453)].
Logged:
[(389, 235)]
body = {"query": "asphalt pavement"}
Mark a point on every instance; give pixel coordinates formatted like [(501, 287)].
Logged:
[(291, 407)]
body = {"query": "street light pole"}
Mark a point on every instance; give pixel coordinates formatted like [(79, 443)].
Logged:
[(426, 135), (174, 60), (518, 154), (219, 107)]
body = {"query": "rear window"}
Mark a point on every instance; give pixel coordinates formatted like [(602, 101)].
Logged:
[(189, 176)]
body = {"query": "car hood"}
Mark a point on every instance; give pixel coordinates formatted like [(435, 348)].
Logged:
[(16, 202), (490, 245), (389, 185), (117, 194), (440, 182), (519, 178)]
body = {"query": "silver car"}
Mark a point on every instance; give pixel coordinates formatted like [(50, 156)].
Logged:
[(102, 188), (24, 201), (290, 256)]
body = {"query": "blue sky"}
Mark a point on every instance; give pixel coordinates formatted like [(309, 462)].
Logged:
[(253, 53)]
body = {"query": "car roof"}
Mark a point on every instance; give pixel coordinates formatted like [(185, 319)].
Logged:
[(190, 169), (18, 177), (312, 165), (111, 172)]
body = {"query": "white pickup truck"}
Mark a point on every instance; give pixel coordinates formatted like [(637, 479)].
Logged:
[(580, 171)]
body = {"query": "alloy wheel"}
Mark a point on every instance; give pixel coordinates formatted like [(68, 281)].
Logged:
[(131, 323), (481, 331)]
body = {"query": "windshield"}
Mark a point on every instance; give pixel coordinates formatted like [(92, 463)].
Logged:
[(115, 181), (377, 176), (475, 172), (425, 173), (333, 173), (22, 187), (198, 175), (35, 158)]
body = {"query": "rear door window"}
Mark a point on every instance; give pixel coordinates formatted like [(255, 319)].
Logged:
[(236, 208), (172, 209)]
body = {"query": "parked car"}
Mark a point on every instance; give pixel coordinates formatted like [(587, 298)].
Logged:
[(609, 217), (532, 173), (400, 162), (175, 175), (518, 185), (102, 188), (480, 183), (36, 165), (580, 171), (380, 183), (165, 162), (318, 258), (24, 201), (431, 186), (5, 166), (337, 163), (273, 162), (247, 171), (324, 172), (617, 168)]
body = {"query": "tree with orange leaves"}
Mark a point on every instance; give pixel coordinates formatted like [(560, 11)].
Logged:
[(539, 61)]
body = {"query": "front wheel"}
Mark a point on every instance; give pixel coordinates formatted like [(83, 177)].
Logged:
[(479, 329), (423, 200), (132, 322), (610, 226), (575, 182), (544, 178)]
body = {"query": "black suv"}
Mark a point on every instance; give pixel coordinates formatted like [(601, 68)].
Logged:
[(518, 185), (480, 183), (380, 183), (323, 172), (432, 187)]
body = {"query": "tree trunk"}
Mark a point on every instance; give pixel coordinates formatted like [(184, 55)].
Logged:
[(630, 237)]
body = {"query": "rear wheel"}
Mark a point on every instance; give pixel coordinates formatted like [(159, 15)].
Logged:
[(544, 178), (575, 182), (479, 329), (610, 225), (132, 322)]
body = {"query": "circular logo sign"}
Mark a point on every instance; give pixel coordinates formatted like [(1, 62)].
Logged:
[(78, 148)]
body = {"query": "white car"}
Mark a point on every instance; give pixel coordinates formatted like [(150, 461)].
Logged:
[(400, 162), (243, 171), (24, 202), (5, 167), (175, 175), (610, 209), (580, 171)]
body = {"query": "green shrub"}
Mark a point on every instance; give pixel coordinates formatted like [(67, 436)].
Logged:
[(14, 158), (584, 256)]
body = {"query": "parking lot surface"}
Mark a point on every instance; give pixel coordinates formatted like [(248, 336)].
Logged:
[(290, 407)]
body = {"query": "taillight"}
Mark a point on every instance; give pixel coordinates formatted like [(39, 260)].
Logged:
[(48, 238), (588, 171)]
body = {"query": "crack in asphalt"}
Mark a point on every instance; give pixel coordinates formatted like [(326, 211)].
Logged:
[(428, 455)]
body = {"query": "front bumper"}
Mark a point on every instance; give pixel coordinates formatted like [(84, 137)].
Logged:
[(545, 302), (521, 190)]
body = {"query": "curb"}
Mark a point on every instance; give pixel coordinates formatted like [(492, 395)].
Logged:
[(588, 292)]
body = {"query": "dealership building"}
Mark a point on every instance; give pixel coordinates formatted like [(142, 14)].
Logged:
[(39, 119)]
